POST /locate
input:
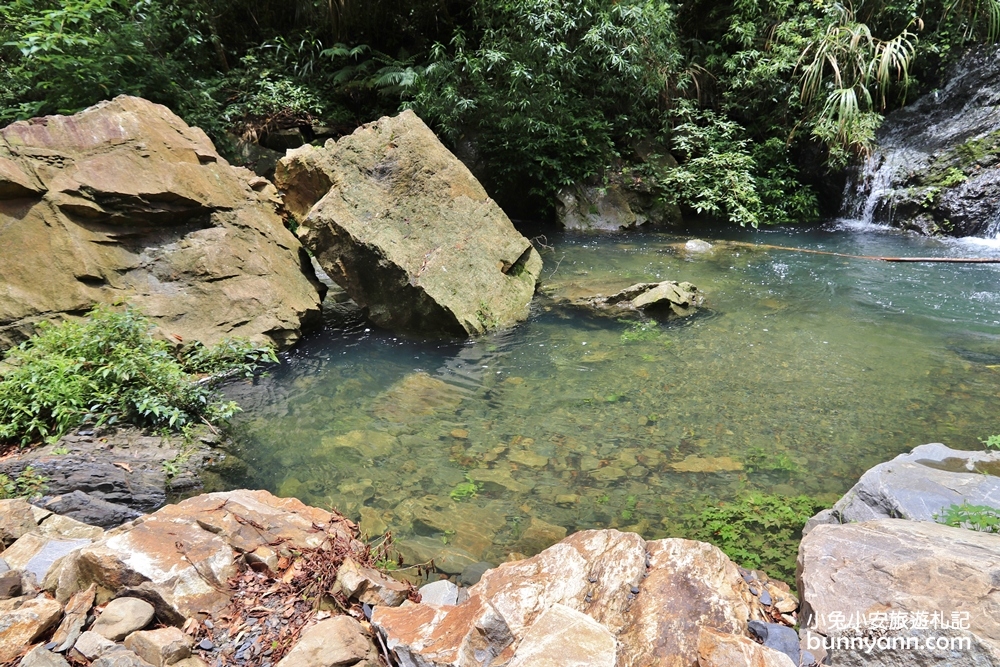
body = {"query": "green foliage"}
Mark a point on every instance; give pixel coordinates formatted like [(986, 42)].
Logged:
[(759, 459), (28, 484), (757, 530), (641, 331), (465, 490), (982, 518), (108, 368), (992, 442)]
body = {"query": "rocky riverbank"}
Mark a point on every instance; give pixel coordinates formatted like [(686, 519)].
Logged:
[(244, 577)]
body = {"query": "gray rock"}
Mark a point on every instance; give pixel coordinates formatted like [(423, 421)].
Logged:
[(160, 647), (90, 646), (473, 573), (918, 486), (777, 636), (40, 657), (10, 584), (120, 657), (610, 208), (122, 617), (91, 509), (3, 566), (908, 567), (441, 592), (35, 554), (564, 637)]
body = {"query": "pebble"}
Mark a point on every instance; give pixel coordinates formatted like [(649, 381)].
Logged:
[(635, 590), (765, 597), (206, 645)]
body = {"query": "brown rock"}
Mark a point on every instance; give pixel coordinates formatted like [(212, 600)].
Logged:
[(408, 232), (335, 642), (16, 519), (24, 620), (10, 584), (564, 637), (694, 463), (123, 616), (75, 616), (123, 201), (721, 649), (161, 647), (120, 657), (538, 535)]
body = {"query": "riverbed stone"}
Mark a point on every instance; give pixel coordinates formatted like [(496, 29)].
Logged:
[(23, 620), (441, 593), (370, 586), (416, 396), (160, 647), (340, 641), (446, 557), (91, 510), (539, 535), (408, 231), (663, 299), (908, 567), (130, 204), (920, 485), (620, 581), (123, 616)]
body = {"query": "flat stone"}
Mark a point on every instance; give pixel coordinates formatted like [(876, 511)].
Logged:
[(120, 657), (447, 558), (16, 519), (40, 657), (471, 574), (565, 637), (36, 554), (538, 535), (441, 593), (719, 649), (416, 396), (91, 646), (64, 527), (502, 478), (694, 463), (123, 616), (908, 567), (778, 637), (24, 620), (160, 647), (528, 458), (335, 642), (608, 474)]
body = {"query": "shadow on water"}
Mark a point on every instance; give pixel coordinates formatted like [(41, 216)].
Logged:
[(808, 370)]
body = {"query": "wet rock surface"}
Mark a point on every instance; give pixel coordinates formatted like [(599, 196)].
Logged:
[(664, 299), (403, 226), (937, 166)]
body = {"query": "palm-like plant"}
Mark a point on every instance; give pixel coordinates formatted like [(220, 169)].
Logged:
[(855, 71)]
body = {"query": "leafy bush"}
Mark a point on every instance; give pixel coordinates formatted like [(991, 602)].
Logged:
[(982, 518), (757, 530), (26, 485), (108, 368)]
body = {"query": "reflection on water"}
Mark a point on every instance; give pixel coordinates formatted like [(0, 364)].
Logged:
[(803, 371)]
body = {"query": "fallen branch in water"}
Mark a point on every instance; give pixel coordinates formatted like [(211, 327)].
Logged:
[(878, 258)]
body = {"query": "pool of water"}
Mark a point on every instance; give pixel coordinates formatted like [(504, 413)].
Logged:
[(800, 372)]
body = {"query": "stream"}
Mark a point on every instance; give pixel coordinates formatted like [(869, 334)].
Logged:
[(800, 372)]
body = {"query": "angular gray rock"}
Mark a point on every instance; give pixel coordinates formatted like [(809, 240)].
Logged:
[(40, 657), (120, 657), (565, 637), (404, 227), (919, 486), (91, 646), (123, 616), (160, 647), (441, 592), (90, 509), (911, 568)]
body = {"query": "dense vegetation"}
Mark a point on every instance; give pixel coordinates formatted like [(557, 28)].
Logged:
[(107, 369), (754, 98)]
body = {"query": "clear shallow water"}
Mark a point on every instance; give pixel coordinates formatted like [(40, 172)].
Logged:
[(800, 373)]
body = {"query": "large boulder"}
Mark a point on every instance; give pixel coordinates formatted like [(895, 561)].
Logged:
[(124, 202), (601, 596), (404, 227), (919, 485), (896, 580)]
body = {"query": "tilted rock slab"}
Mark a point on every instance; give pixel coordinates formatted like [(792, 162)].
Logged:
[(124, 202), (180, 558), (406, 229), (650, 600), (902, 567)]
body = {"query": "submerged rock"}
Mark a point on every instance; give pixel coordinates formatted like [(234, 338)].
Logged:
[(667, 298), (125, 202), (404, 227)]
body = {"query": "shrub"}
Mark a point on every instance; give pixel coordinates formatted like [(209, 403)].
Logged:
[(981, 518), (108, 368)]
